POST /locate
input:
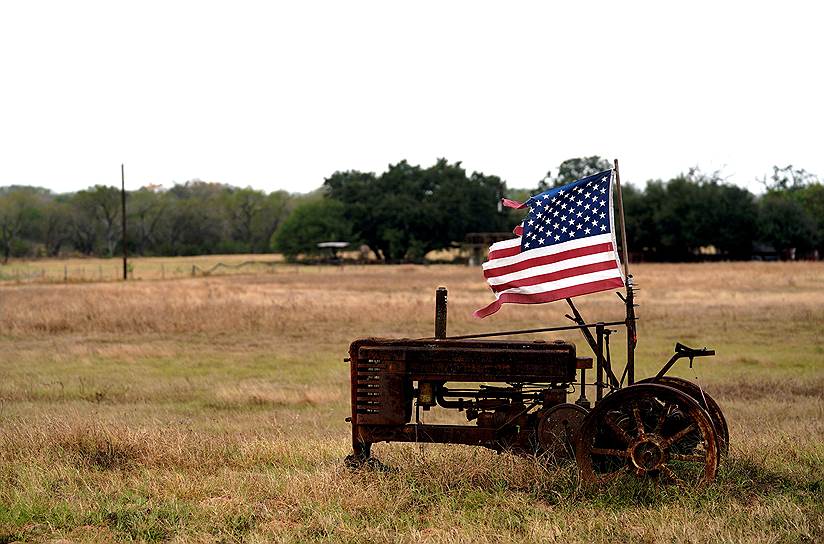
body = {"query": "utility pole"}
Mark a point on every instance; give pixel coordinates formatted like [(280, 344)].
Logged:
[(123, 214)]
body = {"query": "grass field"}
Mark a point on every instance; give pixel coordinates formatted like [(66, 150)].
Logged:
[(212, 410)]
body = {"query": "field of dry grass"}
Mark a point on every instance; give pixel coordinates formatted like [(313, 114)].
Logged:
[(212, 409)]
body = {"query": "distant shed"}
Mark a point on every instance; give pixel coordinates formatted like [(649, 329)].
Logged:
[(332, 249), (477, 244)]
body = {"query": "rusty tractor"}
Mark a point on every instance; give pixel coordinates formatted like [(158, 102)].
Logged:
[(514, 396)]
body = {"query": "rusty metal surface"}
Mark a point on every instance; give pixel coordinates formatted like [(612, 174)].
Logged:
[(440, 312), (708, 403), (514, 397), (389, 376), (558, 430), (648, 430)]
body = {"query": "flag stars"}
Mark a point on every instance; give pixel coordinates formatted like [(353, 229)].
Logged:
[(567, 214)]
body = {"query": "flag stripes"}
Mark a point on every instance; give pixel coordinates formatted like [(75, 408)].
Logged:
[(556, 255)]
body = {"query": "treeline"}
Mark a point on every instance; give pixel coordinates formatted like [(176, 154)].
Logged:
[(406, 212), (193, 218), (696, 215)]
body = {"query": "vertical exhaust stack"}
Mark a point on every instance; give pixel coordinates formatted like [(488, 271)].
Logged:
[(440, 313)]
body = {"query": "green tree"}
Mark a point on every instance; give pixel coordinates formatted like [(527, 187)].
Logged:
[(642, 231), (275, 208), (18, 214), (461, 204), (145, 209), (573, 169), (788, 178), (729, 218), (195, 219), (811, 199), (357, 192), (253, 217), (805, 189), (242, 207), (55, 227), (312, 221), (672, 220), (102, 205), (784, 223), (408, 210), (83, 224)]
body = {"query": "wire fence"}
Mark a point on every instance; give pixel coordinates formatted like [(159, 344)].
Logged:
[(79, 272)]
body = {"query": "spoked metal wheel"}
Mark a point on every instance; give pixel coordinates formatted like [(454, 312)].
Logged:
[(558, 429), (649, 430), (708, 403)]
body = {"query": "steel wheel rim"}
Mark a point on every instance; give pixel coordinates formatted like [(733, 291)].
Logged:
[(648, 430), (713, 410)]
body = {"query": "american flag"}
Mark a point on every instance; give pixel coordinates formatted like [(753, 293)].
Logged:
[(565, 248)]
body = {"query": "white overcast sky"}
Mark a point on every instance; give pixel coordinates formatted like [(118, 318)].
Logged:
[(281, 94)]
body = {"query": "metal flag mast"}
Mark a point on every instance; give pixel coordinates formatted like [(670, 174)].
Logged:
[(629, 299), (596, 341)]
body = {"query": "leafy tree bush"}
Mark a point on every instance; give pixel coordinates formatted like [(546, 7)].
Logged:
[(313, 221), (785, 224), (573, 169), (408, 211)]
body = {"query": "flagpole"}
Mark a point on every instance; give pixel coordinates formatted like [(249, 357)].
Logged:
[(621, 219), (629, 300)]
